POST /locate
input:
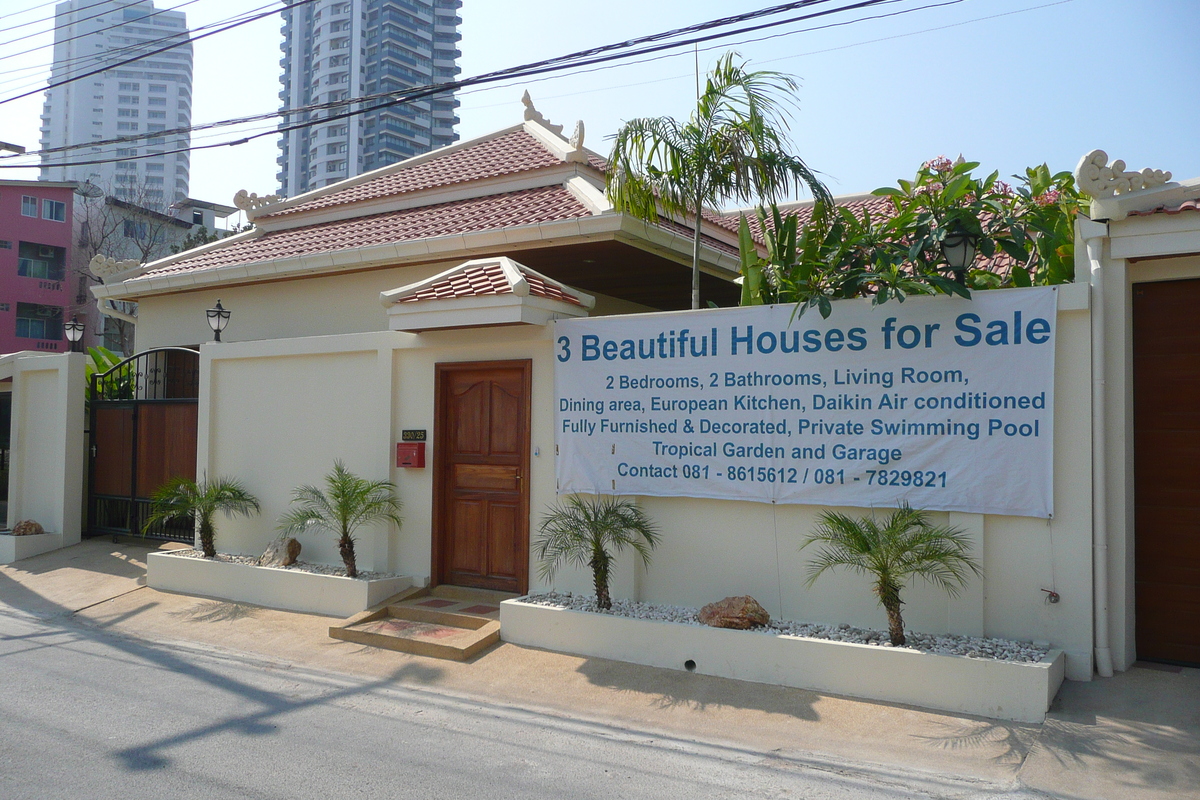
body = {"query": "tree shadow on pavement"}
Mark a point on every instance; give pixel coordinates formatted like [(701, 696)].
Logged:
[(264, 707), (1138, 732), (1012, 741), (216, 611), (667, 688), (119, 560)]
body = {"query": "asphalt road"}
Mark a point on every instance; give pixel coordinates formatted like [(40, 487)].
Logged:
[(89, 714)]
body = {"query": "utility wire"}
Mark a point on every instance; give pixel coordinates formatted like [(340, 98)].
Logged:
[(25, 36), (654, 37), (417, 93), (407, 95), (790, 57), (101, 57), (27, 10), (120, 24), (55, 84)]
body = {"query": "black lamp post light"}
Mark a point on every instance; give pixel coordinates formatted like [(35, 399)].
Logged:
[(74, 331), (959, 249), (218, 318)]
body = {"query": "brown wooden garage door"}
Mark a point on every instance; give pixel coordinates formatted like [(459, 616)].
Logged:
[(1166, 380)]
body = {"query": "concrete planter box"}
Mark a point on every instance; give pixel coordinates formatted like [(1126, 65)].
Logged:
[(287, 589), (15, 548), (1003, 690)]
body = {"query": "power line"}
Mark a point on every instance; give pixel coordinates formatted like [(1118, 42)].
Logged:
[(416, 93), (120, 24), (101, 57), (684, 75), (408, 94), (114, 65), (536, 68), (681, 76), (666, 34), (27, 10), (65, 24)]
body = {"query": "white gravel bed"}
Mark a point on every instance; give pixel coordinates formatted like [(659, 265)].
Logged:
[(943, 644), (299, 566)]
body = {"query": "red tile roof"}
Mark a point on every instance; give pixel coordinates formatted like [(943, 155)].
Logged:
[(488, 279), (1187, 205), (525, 207), (505, 155), (875, 206)]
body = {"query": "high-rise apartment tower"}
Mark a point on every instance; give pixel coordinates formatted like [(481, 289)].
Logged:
[(338, 49), (149, 95)]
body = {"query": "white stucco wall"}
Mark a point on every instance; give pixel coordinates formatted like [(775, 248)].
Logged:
[(45, 481), (277, 413), (317, 306), (713, 548)]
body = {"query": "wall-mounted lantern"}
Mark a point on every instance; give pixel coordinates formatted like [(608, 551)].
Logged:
[(218, 318), (74, 331)]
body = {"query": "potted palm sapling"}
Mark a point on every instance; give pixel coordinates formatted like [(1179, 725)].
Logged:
[(893, 553), (587, 531)]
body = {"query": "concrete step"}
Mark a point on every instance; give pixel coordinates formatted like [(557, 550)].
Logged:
[(437, 627), (469, 594)]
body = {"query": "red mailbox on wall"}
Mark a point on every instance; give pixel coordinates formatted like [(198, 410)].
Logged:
[(410, 452)]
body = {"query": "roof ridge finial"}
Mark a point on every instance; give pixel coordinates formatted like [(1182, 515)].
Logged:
[(1096, 178), (533, 115)]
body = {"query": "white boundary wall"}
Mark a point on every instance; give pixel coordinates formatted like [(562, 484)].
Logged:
[(47, 448), (277, 413)]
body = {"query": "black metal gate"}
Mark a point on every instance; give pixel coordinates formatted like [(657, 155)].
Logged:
[(143, 433)]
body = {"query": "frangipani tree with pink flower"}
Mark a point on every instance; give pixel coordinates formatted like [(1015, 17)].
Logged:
[(1023, 237)]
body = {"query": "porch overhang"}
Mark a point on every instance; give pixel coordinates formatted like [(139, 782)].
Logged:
[(482, 292)]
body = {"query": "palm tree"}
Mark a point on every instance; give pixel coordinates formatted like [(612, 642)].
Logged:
[(347, 503), (731, 148), (587, 531), (905, 546), (183, 498)]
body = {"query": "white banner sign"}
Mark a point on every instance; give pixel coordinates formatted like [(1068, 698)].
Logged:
[(943, 402)]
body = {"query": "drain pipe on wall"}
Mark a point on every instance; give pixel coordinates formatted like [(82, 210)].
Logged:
[(1094, 234)]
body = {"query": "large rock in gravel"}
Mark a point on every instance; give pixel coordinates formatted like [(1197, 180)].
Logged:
[(27, 528), (741, 613), (280, 553)]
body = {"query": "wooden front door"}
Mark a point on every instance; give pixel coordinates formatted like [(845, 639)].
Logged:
[(481, 463), (1166, 395)]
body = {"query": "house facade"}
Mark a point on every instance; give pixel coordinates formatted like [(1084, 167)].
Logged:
[(414, 304)]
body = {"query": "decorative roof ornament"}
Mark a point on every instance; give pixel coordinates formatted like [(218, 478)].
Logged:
[(577, 136), (1096, 179), (250, 201), (105, 267), (532, 114)]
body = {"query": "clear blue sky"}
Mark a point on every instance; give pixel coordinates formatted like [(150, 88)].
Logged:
[(1009, 83)]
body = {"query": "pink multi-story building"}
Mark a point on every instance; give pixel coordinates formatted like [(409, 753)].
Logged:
[(35, 273)]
